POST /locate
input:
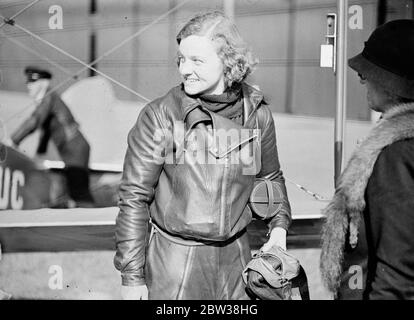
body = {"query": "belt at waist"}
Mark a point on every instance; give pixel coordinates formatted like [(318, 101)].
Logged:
[(191, 242)]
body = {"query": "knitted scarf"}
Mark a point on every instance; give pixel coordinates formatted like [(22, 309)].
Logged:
[(228, 104)]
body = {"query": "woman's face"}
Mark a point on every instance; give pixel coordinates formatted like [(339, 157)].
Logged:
[(200, 67)]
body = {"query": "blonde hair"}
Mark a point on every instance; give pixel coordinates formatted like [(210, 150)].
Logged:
[(236, 56)]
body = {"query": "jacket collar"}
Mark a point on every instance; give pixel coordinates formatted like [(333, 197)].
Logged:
[(252, 99)]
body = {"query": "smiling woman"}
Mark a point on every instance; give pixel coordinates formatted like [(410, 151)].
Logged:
[(200, 67), (199, 210), (213, 31)]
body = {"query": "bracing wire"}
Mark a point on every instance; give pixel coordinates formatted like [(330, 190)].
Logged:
[(37, 54), (31, 4), (64, 52), (89, 66)]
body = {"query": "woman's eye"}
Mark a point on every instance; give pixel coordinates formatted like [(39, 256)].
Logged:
[(197, 61)]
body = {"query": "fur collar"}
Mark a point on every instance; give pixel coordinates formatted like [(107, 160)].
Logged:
[(344, 212)]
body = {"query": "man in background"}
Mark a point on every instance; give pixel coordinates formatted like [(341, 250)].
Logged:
[(56, 122)]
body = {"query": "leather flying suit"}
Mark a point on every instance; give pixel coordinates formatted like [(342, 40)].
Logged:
[(199, 209)]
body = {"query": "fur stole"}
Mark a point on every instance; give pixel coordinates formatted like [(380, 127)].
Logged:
[(344, 212)]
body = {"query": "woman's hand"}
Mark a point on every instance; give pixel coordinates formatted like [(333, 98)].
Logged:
[(134, 293), (278, 237)]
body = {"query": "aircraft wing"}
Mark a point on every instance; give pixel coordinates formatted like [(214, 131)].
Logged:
[(104, 120)]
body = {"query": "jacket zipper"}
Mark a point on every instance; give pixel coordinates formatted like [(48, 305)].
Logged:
[(234, 147)]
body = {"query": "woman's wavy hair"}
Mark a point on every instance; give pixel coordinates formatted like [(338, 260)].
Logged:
[(237, 57)]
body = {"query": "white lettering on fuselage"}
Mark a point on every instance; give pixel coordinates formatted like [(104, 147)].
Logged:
[(10, 183)]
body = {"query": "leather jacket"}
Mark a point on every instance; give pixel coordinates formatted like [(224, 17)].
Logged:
[(203, 201)]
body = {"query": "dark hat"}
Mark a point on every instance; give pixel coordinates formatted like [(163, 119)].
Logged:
[(34, 74), (388, 58)]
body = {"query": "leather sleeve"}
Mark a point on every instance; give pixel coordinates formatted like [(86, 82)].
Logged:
[(141, 171), (35, 120), (271, 167)]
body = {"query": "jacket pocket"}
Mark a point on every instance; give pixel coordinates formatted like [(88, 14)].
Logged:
[(194, 207), (240, 148)]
